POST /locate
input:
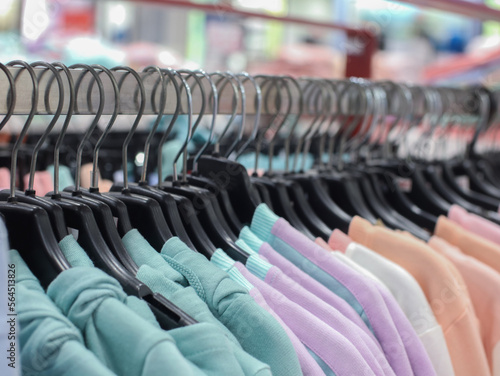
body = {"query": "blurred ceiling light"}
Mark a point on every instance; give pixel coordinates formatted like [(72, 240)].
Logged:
[(93, 48), (117, 14), (269, 5), (35, 19), (6, 7), (167, 58), (381, 5)]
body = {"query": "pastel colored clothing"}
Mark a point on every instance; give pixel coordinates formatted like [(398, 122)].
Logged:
[(419, 359), (322, 244), (484, 284), (160, 277), (352, 287), (329, 315), (206, 347), (46, 332), (187, 299), (5, 327), (76, 256), (475, 224), (4, 178), (468, 242), (443, 287), (335, 351), (339, 241), (259, 333), (304, 280), (307, 363), (94, 302), (42, 182), (412, 301)]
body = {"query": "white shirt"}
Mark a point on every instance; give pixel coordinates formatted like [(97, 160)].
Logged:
[(412, 301)]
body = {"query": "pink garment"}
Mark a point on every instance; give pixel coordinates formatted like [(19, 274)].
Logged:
[(339, 241), (323, 244), (4, 178), (475, 224), (42, 182), (307, 363)]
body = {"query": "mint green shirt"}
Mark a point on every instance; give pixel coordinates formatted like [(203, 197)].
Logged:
[(76, 256), (257, 331), (158, 275), (50, 345), (124, 341)]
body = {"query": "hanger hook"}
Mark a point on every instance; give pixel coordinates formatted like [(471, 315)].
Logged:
[(348, 127), (484, 119), (224, 76), (321, 118), (241, 126), (69, 114), (259, 139), (49, 128), (317, 97), (163, 102), (116, 110), (32, 113), (137, 120), (87, 69), (172, 74), (214, 95), (277, 81), (11, 96), (285, 80), (183, 149), (327, 133), (258, 110)]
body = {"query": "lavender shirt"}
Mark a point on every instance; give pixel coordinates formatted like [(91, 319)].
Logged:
[(365, 344), (336, 351), (307, 282), (361, 293), (308, 365)]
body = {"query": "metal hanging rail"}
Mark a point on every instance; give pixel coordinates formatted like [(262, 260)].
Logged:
[(129, 96), (465, 8), (221, 9)]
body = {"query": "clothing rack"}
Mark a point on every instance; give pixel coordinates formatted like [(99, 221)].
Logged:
[(129, 97)]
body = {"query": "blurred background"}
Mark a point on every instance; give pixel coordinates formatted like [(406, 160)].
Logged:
[(403, 42)]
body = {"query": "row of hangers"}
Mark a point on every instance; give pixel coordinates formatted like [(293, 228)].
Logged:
[(359, 125)]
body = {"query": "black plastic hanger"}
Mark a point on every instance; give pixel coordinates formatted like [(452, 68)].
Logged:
[(232, 177), (54, 212), (203, 199), (206, 208), (146, 214), (315, 227), (197, 239), (29, 227), (80, 216), (117, 207), (383, 181), (313, 186), (101, 212), (220, 192), (372, 192), (343, 186)]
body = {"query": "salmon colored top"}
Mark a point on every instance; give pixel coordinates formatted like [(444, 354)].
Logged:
[(443, 287), (483, 284), (469, 243)]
